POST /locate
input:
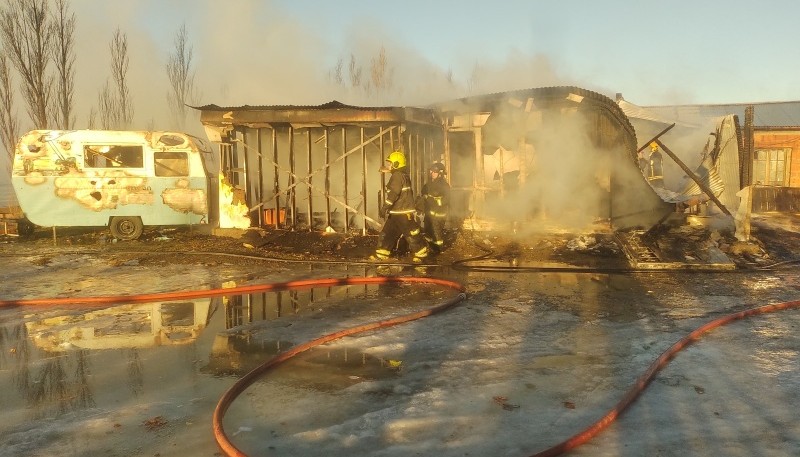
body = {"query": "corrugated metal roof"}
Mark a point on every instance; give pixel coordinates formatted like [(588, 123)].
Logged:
[(334, 104), (768, 114), (333, 112), (638, 112), (487, 100)]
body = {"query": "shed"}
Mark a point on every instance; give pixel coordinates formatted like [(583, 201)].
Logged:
[(536, 159), (316, 167)]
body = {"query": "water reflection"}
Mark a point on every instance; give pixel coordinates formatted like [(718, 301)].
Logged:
[(45, 381), (773, 355), (54, 362), (323, 368), (133, 325), (249, 308), (757, 282)]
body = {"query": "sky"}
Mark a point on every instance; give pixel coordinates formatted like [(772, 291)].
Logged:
[(282, 52), (285, 51)]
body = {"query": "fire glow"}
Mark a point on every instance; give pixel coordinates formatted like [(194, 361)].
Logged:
[(232, 211)]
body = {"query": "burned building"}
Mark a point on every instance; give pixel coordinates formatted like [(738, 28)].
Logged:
[(316, 167), (770, 131), (533, 158), (554, 157)]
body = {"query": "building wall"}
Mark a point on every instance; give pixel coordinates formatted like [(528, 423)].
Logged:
[(328, 172), (782, 139)]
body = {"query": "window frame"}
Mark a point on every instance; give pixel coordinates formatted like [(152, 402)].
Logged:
[(157, 166), (92, 150), (767, 168)]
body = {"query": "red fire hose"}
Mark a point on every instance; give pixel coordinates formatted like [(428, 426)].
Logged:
[(243, 383), (230, 395), (643, 380), (234, 391)]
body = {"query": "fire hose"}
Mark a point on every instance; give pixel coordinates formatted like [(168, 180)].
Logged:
[(248, 379), (234, 391), (227, 447), (641, 383)]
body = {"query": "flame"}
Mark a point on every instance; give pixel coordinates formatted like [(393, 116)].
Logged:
[(232, 211)]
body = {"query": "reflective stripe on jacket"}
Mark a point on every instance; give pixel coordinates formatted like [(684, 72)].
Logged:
[(399, 195), (436, 195)]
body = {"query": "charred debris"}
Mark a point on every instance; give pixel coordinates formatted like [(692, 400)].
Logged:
[(523, 165)]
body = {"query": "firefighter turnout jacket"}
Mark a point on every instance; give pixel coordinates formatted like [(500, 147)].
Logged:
[(399, 212), (436, 197), (399, 195)]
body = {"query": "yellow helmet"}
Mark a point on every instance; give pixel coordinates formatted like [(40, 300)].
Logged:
[(653, 146), (397, 160)]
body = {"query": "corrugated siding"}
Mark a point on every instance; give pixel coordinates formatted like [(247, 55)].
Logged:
[(772, 114)]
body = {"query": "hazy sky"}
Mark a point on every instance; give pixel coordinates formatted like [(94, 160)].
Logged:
[(283, 51), (262, 52)]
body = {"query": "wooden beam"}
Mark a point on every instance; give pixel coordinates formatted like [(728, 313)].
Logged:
[(655, 138), (694, 177)]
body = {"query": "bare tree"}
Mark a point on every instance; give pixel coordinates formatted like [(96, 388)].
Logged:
[(8, 119), (114, 106), (336, 75), (108, 108), (474, 79), (355, 72), (380, 74), (28, 39), (181, 77), (119, 73), (91, 119), (64, 57), (450, 77)]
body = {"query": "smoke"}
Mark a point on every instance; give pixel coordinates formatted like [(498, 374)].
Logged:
[(556, 178), (255, 53), (687, 142), (250, 52)]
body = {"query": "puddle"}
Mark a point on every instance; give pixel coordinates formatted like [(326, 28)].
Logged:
[(763, 282), (54, 362), (324, 368), (122, 326)]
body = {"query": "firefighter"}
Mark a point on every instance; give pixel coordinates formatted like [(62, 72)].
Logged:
[(434, 203), (644, 164), (655, 172), (399, 212)]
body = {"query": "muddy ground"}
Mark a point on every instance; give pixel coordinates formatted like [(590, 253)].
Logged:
[(527, 360), (774, 239)]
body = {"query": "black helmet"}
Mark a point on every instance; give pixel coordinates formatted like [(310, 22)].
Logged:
[(437, 167)]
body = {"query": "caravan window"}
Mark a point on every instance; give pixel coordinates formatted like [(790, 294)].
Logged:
[(171, 163), (112, 156)]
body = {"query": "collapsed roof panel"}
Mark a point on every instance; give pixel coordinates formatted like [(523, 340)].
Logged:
[(558, 155), (708, 147)]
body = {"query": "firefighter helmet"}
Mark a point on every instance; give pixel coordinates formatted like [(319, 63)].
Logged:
[(654, 146), (437, 167), (396, 160)]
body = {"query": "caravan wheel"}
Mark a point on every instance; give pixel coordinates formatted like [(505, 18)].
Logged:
[(126, 227), (25, 228)]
